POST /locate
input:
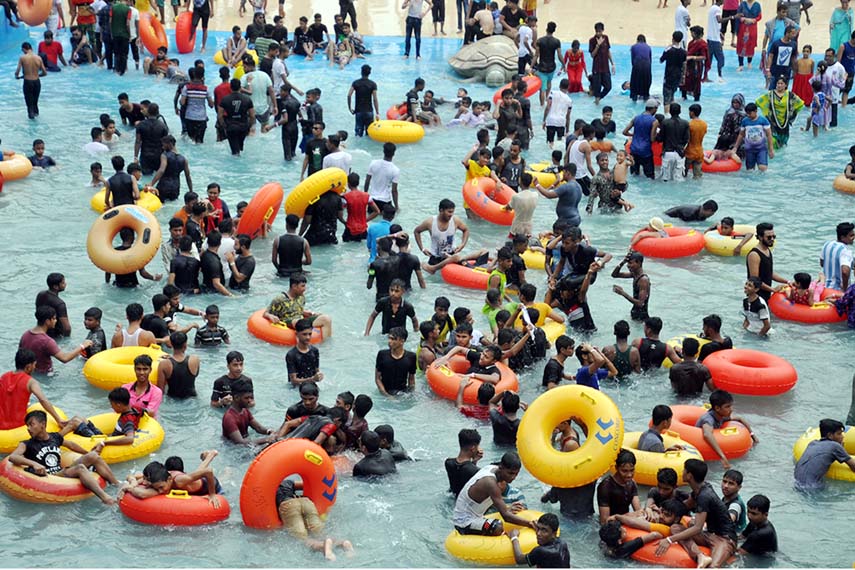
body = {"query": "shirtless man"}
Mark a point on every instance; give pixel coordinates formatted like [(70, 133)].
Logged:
[(442, 228), (33, 68)]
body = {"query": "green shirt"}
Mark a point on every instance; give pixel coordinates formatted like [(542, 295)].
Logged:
[(261, 46), (119, 26), (287, 309)]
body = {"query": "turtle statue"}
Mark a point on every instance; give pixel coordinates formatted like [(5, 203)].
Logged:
[(492, 60)]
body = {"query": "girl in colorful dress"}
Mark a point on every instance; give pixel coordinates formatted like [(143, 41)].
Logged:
[(749, 13), (574, 63)]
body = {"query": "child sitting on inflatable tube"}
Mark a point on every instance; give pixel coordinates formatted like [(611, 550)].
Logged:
[(159, 479), (725, 228), (482, 363), (807, 292), (126, 424)]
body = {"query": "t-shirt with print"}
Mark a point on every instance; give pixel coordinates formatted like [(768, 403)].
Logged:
[(46, 453), (475, 170), (782, 54), (128, 422), (99, 342), (755, 132), (287, 309), (755, 313)]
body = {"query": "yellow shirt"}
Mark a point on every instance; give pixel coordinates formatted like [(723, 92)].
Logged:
[(695, 148), (529, 5), (475, 170)]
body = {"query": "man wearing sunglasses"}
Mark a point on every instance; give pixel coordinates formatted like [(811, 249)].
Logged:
[(759, 261)]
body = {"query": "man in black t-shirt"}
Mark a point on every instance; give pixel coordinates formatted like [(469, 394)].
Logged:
[(461, 468), (689, 213), (550, 552), (674, 58), (155, 322), (367, 109), (304, 360), (395, 368), (213, 278), (50, 297), (236, 115), (546, 50), (315, 150), (720, 533), (241, 263), (506, 422), (412, 100), (221, 396), (394, 309), (308, 404), (148, 146), (617, 492), (760, 535), (384, 269), (121, 187)]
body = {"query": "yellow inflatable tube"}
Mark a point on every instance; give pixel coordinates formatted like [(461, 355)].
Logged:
[(309, 190), (398, 132), (648, 463), (843, 184), (553, 330), (839, 471), (115, 367), (239, 72), (10, 438), (717, 244), (535, 259), (546, 179), (147, 439), (677, 343), (576, 468), (493, 550), (16, 167), (147, 200)]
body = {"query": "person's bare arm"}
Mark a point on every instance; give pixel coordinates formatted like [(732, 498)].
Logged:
[(160, 170)]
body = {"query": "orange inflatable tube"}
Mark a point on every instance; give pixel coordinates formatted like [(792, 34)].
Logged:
[(681, 242), (263, 329), (445, 380), (657, 151), (152, 33), (466, 276), (262, 208), (733, 437), (185, 36), (675, 557), (395, 112), (34, 12), (751, 372), (727, 165), (533, 84), (178, 508), (24, 486), (481, 196), (820, 313), (283, 459)]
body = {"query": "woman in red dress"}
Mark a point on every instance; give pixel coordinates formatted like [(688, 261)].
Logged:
[(574, 63), (749, 13), (696, 62)]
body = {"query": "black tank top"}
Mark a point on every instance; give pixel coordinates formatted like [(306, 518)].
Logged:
[(765, 270), (121, 188), (169, 184), (290, 254), (186, 271), (639, 313), (651, 353), (182, 382)]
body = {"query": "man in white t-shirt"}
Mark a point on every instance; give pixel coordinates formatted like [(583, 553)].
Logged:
[(525, 43), (95, 146), (384, 176), (259, 87), (837, 73), (682, 20), (714, 35), (556, 115), (337, 158)]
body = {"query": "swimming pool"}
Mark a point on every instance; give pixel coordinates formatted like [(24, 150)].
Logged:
[(403, 521)]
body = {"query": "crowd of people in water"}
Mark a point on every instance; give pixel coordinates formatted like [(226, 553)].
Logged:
[(204, 254)]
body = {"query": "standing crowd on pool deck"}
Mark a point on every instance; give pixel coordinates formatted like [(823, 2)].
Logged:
[(204, 254)]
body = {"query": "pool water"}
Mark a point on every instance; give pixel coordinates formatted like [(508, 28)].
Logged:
[(403, 520)]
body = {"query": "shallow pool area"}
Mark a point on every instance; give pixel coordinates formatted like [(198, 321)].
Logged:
[(403, 520)]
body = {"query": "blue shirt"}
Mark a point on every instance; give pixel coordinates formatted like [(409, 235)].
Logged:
[(640, 145), (584, 377), (755, 132), (376, 230)]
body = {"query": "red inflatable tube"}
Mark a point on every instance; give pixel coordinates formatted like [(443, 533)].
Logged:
[(185, 36), (821, 313), (262, 208), (727, 165), (466, 276), (283, 459), (261, 328), (445, 380), (733, 437), (178, 508), (657, 151), (481, 196), (396, 112), (681, 242), (533, 84), (152, 34), (19, 484), (751, 372)]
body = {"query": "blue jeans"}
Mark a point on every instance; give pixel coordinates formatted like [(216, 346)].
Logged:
[(363, 119), (414, 26), (462, 10), (717, 53)]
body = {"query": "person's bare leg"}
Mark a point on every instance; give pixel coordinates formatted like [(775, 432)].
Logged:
[(90, 481), (471, 256), (721, 550), (204, 40), (434, 268), (92, 459), (324, 322)]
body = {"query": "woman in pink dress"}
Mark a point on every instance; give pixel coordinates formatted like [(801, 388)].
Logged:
[(749, 13), (574, 63)]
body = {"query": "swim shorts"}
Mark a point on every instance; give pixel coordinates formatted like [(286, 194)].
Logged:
[(482, 526), (300, 517)]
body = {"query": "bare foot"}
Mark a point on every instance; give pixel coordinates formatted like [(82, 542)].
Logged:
[(443, 33), (704, 561), (202, 49), (406, 57), (109, 501), (347, 546), (328, 550), (428, 268)]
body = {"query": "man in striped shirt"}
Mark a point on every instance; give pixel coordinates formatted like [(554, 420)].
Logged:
[(195, 95), (836, 258)]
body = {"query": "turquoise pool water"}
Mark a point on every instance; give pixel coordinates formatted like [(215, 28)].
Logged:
[(403, 520)]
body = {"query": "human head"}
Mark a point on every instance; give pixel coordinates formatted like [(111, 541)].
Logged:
[(625, 465), (721, 402), (362, 405), (690, 347), (695, 470), (661, 417), (547, 528), (611, 533), (508, 467), (731, 482), (711, 323), (370, 441), (469, 441), (758, 509), (709, 208), (386, 434), (309, 394), (44, 313), (652, 325), (751, 110), (510, 402), (829, 429), (677, 37), (753, 285), (846, 231), (158, 477), (666, 481), (672, 510), (119, 397)]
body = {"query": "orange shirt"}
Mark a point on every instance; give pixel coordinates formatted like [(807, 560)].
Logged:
[(695, 148)]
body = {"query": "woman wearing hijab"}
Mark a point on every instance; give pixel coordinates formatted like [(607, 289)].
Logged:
[(730, 125), (781, 106), (841, 25)]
